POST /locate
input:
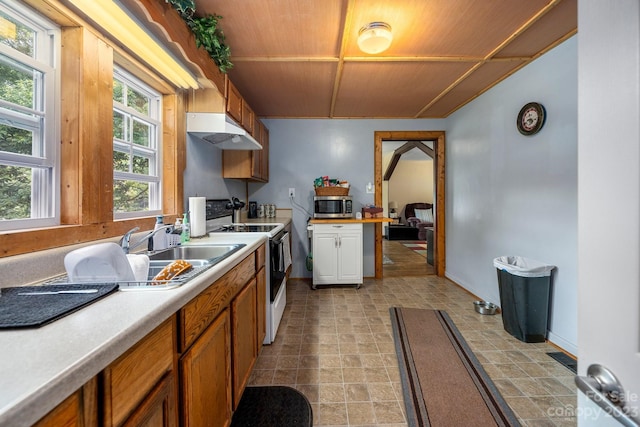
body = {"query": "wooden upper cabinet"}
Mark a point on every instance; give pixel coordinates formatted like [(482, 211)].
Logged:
[(257, 124), (249, 164), (264, 154), (247, 118), (234, 102)]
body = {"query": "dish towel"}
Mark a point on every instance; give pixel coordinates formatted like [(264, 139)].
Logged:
[(286, 249)]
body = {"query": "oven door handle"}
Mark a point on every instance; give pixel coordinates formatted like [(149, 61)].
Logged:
[(281, 239), (277, 255)]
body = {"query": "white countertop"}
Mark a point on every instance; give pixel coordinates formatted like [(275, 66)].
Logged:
[(40, 367)]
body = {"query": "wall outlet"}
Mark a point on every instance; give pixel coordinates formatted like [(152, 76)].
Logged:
[(292, 193)]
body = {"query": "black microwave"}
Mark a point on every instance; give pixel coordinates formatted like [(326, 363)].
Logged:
[(332, 207)]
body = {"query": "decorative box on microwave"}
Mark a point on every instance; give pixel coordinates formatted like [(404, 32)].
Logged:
[(371, 212)]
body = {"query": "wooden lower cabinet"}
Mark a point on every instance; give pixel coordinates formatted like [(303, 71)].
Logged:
[(219, 344), (206, 377), (66, 414), (243, 338), (78, 410), (190, 371), (140, 386), (261, 307), (158, 409)]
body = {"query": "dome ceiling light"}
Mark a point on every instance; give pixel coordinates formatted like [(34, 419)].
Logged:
[(375, 37)]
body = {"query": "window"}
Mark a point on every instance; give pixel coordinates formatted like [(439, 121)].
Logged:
[(137, 170), (29, 131)]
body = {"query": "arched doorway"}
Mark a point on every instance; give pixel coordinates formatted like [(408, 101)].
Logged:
[(439, 221)]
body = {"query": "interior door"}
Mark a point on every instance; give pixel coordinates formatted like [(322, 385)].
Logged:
[(609, 180)]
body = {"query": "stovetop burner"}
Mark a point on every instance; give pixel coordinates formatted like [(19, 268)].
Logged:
[(244, 228)]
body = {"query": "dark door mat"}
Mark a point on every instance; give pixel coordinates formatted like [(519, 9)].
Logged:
[(32, 311), (273, 406), (565, 360)]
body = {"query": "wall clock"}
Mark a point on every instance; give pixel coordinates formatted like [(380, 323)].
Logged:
[(531, 118)]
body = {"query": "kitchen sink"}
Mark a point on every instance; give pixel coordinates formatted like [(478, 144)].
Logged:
[(210, 253), (201, 259), (156, 266)]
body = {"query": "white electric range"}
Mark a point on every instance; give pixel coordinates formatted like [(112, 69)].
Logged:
[(278, 256)]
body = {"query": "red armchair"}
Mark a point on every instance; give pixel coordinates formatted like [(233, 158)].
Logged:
[(421, 220)]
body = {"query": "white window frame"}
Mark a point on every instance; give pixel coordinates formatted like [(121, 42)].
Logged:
[(155, 147), (43, 119)]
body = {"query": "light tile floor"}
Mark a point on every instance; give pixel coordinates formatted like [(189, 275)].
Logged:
[(335, 345)]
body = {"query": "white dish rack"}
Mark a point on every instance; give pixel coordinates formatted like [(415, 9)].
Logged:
[(145, 285)]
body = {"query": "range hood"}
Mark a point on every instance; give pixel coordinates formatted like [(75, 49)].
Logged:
[(221, 130)]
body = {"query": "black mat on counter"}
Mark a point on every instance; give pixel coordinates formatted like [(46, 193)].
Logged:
[(272, 406), (33, 311), (566, 360)]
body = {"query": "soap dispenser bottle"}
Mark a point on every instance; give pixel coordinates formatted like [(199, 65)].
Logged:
[(186, 229), (159, 238)]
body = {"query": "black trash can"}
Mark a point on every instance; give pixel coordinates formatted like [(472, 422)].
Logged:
[(525, 292)]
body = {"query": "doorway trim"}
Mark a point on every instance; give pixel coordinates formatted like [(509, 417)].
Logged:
[(439, 253)]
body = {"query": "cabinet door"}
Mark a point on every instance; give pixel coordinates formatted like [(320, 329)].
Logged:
[(244, 338), (206, 377), (257, 128), (66, 414), (247, 117), (261, 306), (158, 409), (130, 378), (350, 257), (325, 258), (234, 102), (264, 155), (256, 163)]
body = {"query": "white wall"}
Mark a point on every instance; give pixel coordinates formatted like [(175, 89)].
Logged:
[(304, 149), (609, 179), (508, 194)]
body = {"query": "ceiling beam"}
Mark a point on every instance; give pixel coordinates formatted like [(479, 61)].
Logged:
[(346, 29), (398, 152), (494, 52)]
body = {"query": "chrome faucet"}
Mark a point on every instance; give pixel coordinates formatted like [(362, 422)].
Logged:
[(125, 241)]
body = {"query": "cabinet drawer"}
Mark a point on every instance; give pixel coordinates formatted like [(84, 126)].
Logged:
[(200, 312), (131, 377), (337, 227)]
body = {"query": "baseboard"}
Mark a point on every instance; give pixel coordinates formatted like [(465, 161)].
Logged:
[(562, 344), (470, 289), (553, 339)]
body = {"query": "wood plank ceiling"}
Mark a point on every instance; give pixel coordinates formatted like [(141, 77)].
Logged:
[(299, 58)]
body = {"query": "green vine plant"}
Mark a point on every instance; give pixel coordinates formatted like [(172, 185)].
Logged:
[(206, 32)]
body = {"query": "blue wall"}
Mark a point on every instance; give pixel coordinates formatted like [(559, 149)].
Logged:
[(506, 194), (304, 149), (203, 174), (509, 194)]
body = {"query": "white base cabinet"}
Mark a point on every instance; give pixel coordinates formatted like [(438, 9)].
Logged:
[(337, 254)]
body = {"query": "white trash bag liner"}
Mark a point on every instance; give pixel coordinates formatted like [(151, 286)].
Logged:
[(523, 267)]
